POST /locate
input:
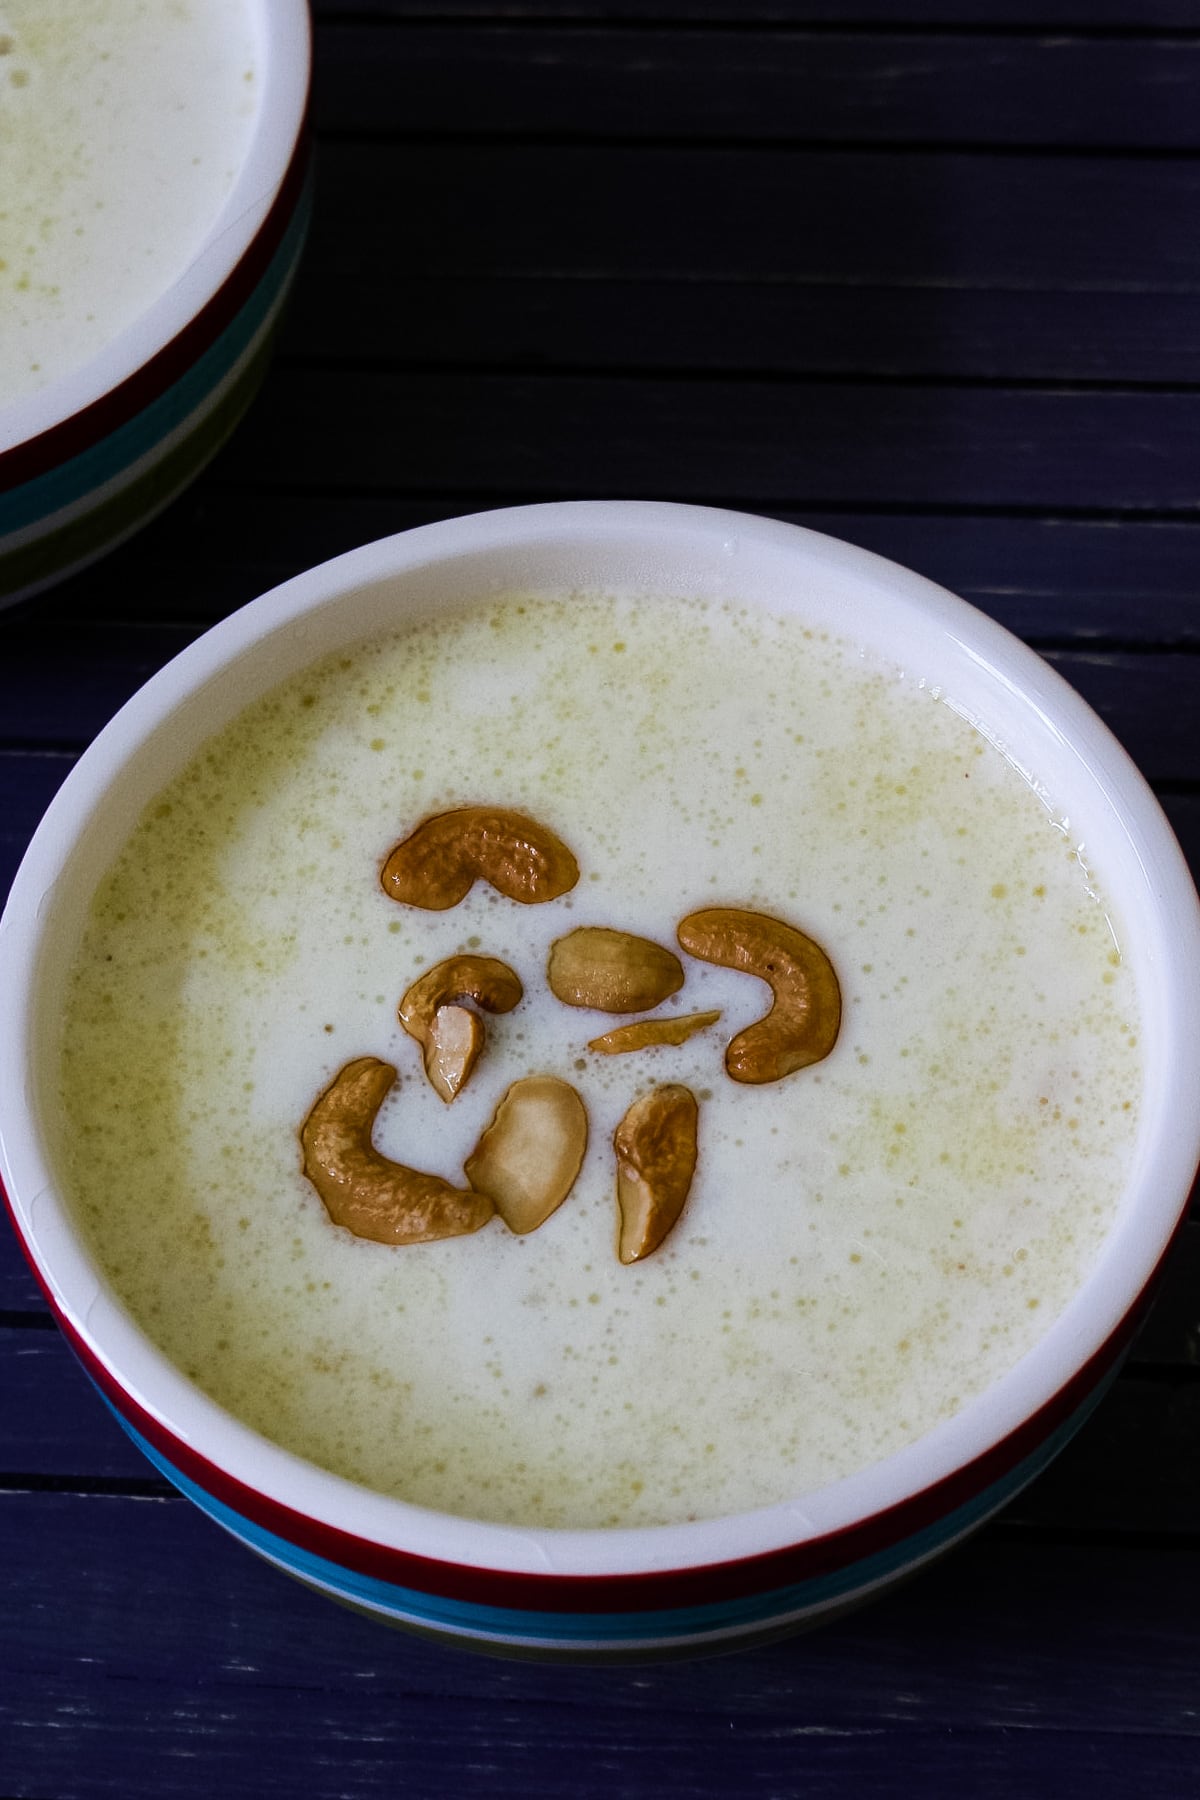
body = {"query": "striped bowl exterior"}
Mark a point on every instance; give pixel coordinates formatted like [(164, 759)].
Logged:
[(650, 1632), (622, 1618), (76, 491)]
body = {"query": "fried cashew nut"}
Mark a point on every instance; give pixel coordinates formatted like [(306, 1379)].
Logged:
[(361, 1189), (612, 971), (438, 863), (527, 1159), (656, 1159), (645, 1034), (451, 1036), (806, 1014)]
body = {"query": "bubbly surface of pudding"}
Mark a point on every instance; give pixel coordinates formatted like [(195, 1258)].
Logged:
[(123, 127), (868, 1243)]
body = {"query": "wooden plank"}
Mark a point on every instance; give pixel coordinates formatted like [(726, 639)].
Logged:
[(341, 1653), (1149, 702), (801, 445), (1170, 1338), (191, 1742), (575, 322), (194, 1743), (1053, 580), (138, 1623), (96, 671), (1134, 1467), (130, 1608), (909, 218), (660, 84), (21, 1302), (1183, 815), (1128, 17), (55, 1423), (28, 782)]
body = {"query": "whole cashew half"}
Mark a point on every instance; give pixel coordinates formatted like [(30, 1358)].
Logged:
[(451, 1037), (361, 1189), (655, 1144), (612, 971), (437, 864), (806, 1015), (528, 1157)]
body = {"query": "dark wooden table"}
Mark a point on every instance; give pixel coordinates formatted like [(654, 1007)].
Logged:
[(921, 273)]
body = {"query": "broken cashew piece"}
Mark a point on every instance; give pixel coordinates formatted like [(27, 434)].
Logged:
[(644, 1034), (527, 1159), (361, 1189), (806, 1013), (452, 1048), (438, 863), (612, 971), (656, 1159), (451, 1036)]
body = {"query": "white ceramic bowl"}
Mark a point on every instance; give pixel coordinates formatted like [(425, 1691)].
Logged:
[(89, 458), (617, 1592)]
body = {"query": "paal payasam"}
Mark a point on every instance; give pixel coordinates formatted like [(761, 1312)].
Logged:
[(866, 1240)]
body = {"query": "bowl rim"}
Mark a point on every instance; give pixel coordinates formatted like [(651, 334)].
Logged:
[(285, 29), (1084, 1335)]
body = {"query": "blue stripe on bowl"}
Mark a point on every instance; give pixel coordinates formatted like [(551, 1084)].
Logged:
[(677, 1625), (105, 460)]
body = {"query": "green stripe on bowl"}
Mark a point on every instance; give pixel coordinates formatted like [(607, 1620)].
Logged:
[(87, 535)]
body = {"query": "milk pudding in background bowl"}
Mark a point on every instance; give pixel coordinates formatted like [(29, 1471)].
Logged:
[(151, 216), (831, 984)]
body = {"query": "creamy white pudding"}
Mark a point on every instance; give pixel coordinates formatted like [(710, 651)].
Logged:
[(123, 127), (867, 1244)]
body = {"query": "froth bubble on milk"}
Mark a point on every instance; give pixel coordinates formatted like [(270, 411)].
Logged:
[(867, 1243), (123, 127)]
